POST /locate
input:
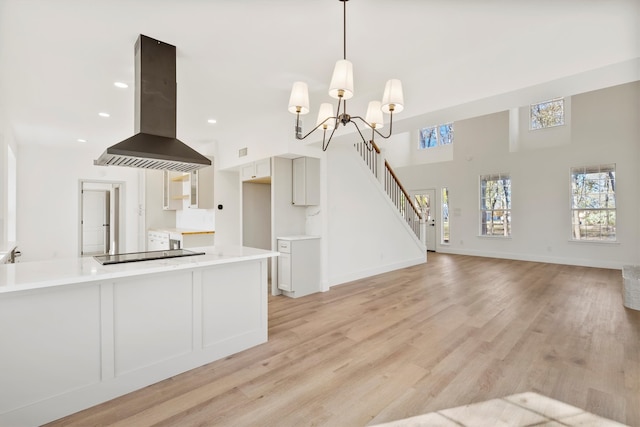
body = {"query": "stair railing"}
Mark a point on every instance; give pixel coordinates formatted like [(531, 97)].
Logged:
[(392, 186)]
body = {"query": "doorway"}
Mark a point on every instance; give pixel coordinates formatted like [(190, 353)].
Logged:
[(425, 201), (256, 216), (100, 225)]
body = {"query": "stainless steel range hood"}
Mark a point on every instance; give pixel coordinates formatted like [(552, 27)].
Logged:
[(154, 146)]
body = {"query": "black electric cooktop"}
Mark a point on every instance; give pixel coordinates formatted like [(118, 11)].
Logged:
[(144, 256)]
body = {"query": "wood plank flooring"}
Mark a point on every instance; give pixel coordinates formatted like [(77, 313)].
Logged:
[(454, 331)]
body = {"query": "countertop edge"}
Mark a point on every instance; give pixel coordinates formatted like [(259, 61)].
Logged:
[(100, 273)]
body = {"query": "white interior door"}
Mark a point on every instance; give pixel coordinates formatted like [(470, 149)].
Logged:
[(95, 222), (425, 201)]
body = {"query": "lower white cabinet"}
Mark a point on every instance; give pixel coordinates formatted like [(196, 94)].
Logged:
[(299, 265)]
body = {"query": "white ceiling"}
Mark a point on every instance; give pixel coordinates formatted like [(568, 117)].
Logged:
[(237, 59)]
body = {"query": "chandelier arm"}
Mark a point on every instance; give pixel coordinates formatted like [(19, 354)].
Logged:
[(376, 130), (365, 142), (325, 146), (312, 130)]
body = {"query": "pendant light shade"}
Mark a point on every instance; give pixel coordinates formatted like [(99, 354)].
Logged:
[(342, 80), (374, 117), (393, 96), (299, 99), (326, 111)]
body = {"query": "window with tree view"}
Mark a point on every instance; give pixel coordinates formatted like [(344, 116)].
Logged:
[(435, 136), (445, 215), (546, 114), (495, 205), (593, 202)]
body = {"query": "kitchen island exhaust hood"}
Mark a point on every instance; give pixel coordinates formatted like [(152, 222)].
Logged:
[(154, 146)]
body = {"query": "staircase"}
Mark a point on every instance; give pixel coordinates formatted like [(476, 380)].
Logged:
[(383, 172)]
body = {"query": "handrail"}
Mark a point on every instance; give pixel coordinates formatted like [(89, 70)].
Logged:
[(375, 146), (406, 195), (398, 195)]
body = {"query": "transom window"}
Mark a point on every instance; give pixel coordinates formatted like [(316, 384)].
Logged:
[(593, 202), (546, 114), (495, 205), (435, 136)]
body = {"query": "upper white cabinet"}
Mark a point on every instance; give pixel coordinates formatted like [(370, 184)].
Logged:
[(193, 190), (306, 181), (259, 169), (172, 190), (201, 188)]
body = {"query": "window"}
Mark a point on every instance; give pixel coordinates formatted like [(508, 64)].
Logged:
[(546, 114), (445, 215), (593, 202), (435, 136), (495, 205)]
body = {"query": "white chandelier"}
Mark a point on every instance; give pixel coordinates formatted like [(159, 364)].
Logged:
[(341, 88)]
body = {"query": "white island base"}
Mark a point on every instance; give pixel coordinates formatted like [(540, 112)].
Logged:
[(114, 329)]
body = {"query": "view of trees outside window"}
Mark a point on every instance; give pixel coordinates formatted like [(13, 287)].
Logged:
[(495, 205), (423, 204), (546, 114), (593, 202), (436, 135), (445, 215)]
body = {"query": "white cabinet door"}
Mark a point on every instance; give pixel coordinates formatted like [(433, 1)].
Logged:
[(256, 170), (201, 188), (263, 168), (172, 190), (284, 272), (306, 181), (299, 266)]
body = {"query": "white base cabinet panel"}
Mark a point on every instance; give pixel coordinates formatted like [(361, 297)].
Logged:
[(299, 265), (67, 348)]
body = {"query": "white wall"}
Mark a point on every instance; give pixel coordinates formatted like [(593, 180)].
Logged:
[(228, 216), (603, 129), (364, 233), (48, 199)]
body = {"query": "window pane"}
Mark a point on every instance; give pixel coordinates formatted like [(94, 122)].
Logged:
[(428, 137), (434, 136), (495, 205), (593, 215), (445, 215), (547, 114), (446, 134)]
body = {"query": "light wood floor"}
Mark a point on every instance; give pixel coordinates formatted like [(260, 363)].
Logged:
[(450, 332)]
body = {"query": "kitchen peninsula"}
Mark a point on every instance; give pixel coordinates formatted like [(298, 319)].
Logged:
[(75, 333)]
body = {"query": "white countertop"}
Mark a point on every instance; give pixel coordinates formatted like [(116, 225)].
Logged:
[(183, 230), (5, 250), (43, 274), (297, 237)]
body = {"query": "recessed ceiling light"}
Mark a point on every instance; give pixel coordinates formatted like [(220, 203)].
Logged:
[(212, 121), (81, 140), (121, 85), (104, 114)]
